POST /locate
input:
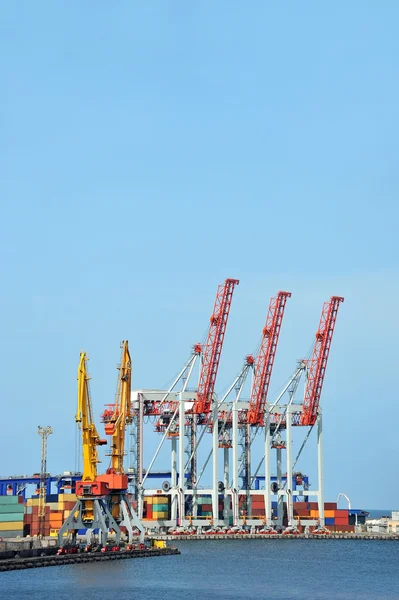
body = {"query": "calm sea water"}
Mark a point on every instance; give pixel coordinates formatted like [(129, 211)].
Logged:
[(269, 569)]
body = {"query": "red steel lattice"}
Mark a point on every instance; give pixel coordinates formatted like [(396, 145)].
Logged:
[(213, 347), (318, 362), (265, 359)]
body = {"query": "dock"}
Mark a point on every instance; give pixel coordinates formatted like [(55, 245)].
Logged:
[(34, 562)]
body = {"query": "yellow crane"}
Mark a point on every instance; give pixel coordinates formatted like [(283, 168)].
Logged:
[(116, 418), (91, 509), (84, 419)]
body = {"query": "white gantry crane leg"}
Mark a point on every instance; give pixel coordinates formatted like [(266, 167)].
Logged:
[(226, 481), (289, 466), (181, 460), (215, 444), (174, 480), (320, 467), (280, 496), (267, 493), (235, 461)]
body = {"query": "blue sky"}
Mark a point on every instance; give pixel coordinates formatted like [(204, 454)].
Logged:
[(151, 149)]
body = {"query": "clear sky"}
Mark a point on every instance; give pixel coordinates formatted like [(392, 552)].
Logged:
[(151, 149)]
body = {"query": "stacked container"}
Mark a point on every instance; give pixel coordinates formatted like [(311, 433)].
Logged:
[(257, 506), (11, 516), (335, 519), (204, 506), (56, 511), (147, 508), (160, 507)]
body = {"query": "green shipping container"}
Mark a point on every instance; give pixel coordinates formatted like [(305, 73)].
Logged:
[(9, 499), (204, 500), (11, 508), (159, 507), (11, 517)]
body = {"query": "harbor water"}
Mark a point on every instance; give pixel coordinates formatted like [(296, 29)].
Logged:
[(263, 569)]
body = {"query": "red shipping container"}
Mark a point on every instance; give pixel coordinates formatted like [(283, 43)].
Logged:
[(340, 514), (341, 522), (330, 506)]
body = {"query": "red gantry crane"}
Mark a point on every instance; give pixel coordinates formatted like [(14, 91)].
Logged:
[(265, 359), (318, 363), (260, 386), (213, 347)]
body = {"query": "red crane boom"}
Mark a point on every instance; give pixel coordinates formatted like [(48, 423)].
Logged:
[(213, 348), (265, 359), (318, 362)]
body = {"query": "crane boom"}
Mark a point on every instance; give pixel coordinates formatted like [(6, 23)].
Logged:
[(84, 418), (119, 414), (213, 347), (318, 362), (265, 359)]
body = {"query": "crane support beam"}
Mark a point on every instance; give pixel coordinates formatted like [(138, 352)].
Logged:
[(265, 360), (213, 347), (318, 363)]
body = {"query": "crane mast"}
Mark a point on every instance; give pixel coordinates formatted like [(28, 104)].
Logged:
[(116, 418), (265, 360), (213, 347), (84, 418), (44, 432), (119, 414), (318, 363)]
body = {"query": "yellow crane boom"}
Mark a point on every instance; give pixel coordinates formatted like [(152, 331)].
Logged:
[(84, 418), (116, 418)]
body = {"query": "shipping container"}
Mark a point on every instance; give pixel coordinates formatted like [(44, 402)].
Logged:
[(8, 517), (11, 526), (160, 500), (11, 508), (11, 500), (160, 515), (159, 507)]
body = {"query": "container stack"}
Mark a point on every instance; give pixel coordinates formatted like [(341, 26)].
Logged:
[(66, 502), (335, 519), (204, 506), (56, 511), (156, 508), (11, 516), (147, 508)]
